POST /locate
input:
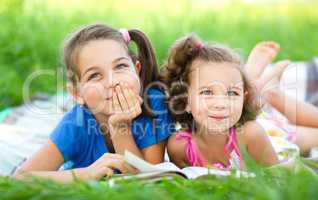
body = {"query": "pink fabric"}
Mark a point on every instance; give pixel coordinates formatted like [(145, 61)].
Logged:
[(200, 45), (196, 159), (192, 152), (233, 146), (125, 34)]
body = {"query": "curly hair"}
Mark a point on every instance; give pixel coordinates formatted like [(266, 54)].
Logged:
[(175, 74)]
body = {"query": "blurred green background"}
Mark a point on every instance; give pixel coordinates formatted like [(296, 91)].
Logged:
[(32, 31)]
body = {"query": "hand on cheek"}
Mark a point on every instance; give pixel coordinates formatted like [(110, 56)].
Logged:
[(126, 105)]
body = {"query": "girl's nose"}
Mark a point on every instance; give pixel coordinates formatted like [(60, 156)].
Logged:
[(110, 80), (109, 83), (220, 103)]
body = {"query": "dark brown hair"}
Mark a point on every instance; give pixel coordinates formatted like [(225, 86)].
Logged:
[(145, 53), (175, 74)]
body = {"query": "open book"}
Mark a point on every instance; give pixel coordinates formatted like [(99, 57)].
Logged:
[(169, 170)]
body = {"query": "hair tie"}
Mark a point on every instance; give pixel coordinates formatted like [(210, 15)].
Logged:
[(199, 45), (125, 34)]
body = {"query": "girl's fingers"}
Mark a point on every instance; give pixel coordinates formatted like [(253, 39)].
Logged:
[(127, 92), (116, 104), (112, 155), (131, 98), (124, 90), (106, 157), (131, 103), (135, 102), (128, 167), (106, 171), (121, 165), (121, 98), (126, 103)]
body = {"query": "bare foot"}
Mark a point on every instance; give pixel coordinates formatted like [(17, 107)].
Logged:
[(261, 56)]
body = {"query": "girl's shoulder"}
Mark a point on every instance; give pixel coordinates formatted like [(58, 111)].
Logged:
[(78, 116), (79, 121), (176, 148), (72, 113), (178, 138), (250, 131)]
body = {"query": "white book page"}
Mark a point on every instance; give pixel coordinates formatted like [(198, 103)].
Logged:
[(139, 163), (143, 166), (195, 172), (167, 166), (189, 172)]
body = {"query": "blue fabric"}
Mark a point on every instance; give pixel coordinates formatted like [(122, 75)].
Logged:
[(4, 113), (81, 142)]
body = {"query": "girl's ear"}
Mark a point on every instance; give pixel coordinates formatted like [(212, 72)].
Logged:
[(75, 93), (138, 67)]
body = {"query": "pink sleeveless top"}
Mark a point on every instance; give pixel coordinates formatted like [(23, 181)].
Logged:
[(195, 157)]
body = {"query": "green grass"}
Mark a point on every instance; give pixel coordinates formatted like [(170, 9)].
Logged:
[(300, 182), (32, 31), (31, 35), (270, 184)]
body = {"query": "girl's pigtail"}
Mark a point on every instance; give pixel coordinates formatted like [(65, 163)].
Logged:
[(149, 70), (146, 57)]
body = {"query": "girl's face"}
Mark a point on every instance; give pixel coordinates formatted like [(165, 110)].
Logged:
[(101, 65), (216, 95)]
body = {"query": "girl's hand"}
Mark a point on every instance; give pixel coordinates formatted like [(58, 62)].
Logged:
[(106, 165), (126, 105)]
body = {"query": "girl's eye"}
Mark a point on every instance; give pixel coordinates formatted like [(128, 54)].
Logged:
[(232, 93), (121, 66), (94, 76), (206, 92)]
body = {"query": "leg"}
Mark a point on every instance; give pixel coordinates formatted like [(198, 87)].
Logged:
[(260, 57), (297, 112), (306, 138), (300, 113)]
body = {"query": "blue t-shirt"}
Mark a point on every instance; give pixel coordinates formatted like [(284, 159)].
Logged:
[(81, 142)]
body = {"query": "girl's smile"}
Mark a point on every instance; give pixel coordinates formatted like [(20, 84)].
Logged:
[(218, 117)]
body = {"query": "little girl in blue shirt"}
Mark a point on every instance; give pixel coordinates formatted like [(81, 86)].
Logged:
[(118, 108)]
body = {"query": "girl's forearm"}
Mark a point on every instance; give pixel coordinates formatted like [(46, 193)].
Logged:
[(59, 176), (297, 112), (123, 139)]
